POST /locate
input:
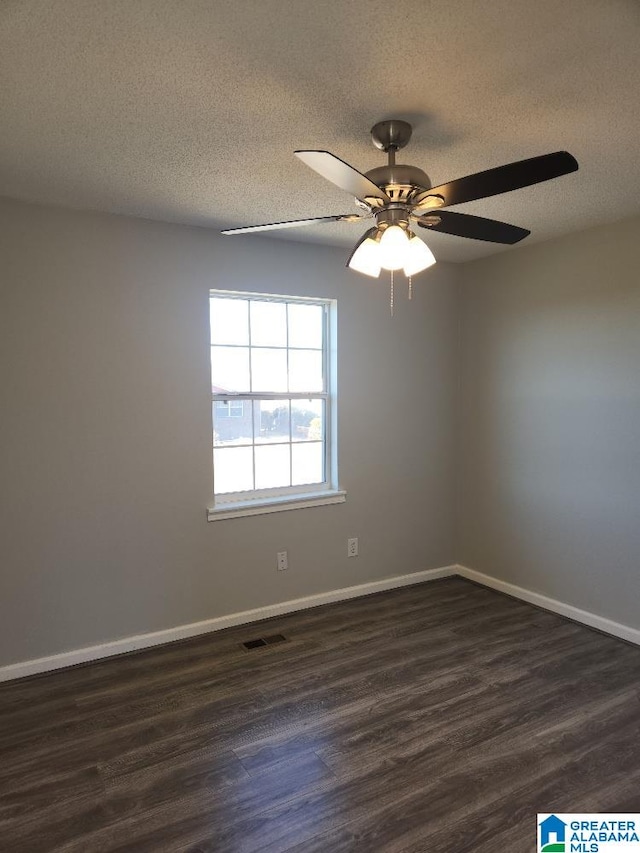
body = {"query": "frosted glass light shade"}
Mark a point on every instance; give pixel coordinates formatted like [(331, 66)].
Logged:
[(366, 258), (393, 247), (418, 256)]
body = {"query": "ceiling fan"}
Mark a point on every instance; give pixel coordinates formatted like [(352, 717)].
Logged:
[(398, 196)]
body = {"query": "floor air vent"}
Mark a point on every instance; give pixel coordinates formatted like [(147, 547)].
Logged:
[(264, 641)]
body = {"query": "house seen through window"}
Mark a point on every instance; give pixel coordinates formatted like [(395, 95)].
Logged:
[(271, 395)]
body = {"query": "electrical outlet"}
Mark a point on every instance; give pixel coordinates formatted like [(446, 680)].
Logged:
[(352, 547), (283, 561)]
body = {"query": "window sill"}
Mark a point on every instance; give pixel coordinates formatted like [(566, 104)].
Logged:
[(239, 509)]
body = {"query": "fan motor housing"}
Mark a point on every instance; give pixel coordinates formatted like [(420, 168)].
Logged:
[(401, 183)]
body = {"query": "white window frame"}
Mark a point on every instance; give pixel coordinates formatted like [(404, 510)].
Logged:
[(260, 501)]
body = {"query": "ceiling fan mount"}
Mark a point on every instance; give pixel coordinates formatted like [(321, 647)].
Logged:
[(391, 134), (401, 195), (401, 183)]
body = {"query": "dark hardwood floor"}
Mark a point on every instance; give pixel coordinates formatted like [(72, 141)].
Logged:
[(437, 718)]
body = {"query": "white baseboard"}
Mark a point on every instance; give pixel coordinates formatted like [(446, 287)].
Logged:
[(624, 632), (143, 641), (181, 632)]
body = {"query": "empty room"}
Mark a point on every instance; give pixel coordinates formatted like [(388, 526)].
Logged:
[(320, 426)]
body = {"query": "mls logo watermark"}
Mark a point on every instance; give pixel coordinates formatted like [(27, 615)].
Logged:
[(588, 833)]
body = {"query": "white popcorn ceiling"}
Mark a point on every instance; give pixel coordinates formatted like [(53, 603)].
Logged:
[(190, 110)]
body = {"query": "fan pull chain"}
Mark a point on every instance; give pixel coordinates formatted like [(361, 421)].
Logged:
[(391, 295), (410, 288)]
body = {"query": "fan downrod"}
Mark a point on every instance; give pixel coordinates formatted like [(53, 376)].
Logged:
[(391, 135)]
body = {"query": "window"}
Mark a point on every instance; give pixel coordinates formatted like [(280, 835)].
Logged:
[(229, 409), (273, 400)]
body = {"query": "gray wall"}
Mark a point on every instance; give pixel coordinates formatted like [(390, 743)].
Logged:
[(549, 428), (105, 434)]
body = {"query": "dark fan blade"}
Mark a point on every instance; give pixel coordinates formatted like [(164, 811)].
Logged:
[(463, 225), (513, 176), (294, 223), (341, 174)]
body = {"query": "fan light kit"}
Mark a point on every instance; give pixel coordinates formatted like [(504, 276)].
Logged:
[(391, 249), (398, 196)]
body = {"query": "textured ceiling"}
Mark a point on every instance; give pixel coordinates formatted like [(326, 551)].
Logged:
[(189, 110)]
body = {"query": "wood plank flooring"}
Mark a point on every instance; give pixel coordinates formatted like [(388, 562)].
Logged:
[(438, 718)]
